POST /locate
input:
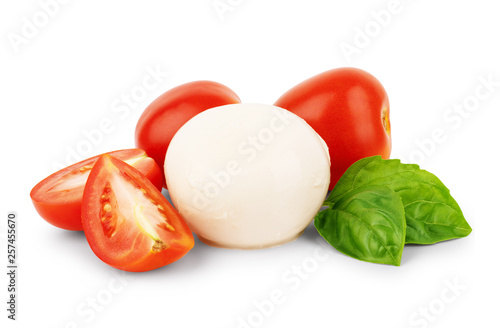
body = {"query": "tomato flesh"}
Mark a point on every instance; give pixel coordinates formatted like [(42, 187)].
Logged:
[(128, 223), (167, 113), (349, 109), (58, 197)]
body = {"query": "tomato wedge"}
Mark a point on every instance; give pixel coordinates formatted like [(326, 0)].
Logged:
[(127, 221), (58, 197)]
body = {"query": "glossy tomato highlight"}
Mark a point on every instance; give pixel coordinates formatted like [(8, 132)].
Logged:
[(349, 109), (128, 223), (58, 198), (167, 113)]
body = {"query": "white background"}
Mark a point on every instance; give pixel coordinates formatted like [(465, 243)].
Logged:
[(68, 74)]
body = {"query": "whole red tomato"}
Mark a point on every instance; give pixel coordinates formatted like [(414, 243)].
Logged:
[(349, 109), (167, 113)]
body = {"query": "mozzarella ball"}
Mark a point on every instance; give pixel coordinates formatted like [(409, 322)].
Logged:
[(247, 176)]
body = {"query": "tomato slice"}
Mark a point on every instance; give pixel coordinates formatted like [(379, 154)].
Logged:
[(58, 197), (127, 221)]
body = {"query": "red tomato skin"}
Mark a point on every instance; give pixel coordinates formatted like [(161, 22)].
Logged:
[(152, 171), (182, 239), (66, 213), (349, 109), (167, 113), (65, 216)]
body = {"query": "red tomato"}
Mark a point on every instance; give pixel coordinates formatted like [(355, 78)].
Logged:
[(167, 113), (127, 221), (349, 109), (58, 198)]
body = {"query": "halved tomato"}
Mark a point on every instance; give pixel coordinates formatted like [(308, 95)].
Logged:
[(127, 221), (58, 198)]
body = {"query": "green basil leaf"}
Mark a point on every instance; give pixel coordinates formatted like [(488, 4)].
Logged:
[(367, 223), (432, 214)]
